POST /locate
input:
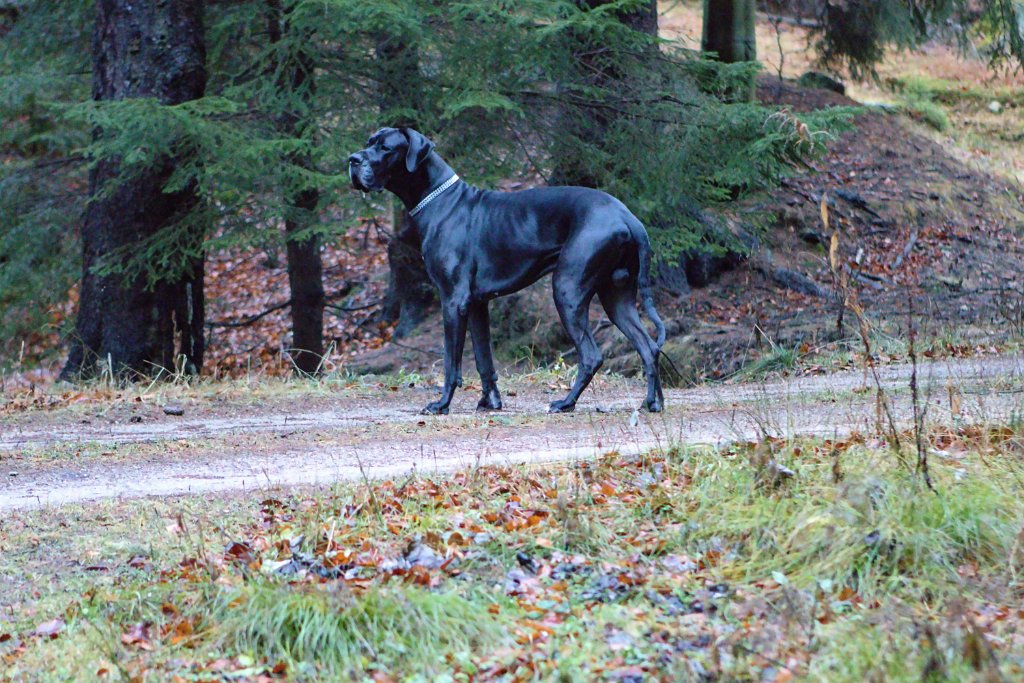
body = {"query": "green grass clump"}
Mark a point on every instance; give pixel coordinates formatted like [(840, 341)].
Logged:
[(877, 531), (333, 629), (778, 359), (920, 100), (927, 112), (864, 649)]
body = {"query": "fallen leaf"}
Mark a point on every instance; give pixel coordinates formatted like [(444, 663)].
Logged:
[(49, 629), (138, 635)]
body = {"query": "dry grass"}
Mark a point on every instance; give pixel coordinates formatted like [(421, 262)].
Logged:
[(672, 566)]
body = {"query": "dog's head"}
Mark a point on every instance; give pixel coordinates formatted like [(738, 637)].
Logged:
[(389, 153)]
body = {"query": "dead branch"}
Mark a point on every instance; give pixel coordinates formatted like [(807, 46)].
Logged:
[(344, 291), (898, 261)]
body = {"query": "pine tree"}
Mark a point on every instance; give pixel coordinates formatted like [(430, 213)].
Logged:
[(855, 36), (44, 65), (143, 49), (601, 71), (295, 74)]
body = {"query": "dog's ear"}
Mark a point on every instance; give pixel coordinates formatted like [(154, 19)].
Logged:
[(419, 148)]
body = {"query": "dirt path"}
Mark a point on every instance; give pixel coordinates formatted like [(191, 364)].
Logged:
[(61, 457)]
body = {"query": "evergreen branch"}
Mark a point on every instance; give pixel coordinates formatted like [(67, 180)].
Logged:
[(538, 169), (620, 110)]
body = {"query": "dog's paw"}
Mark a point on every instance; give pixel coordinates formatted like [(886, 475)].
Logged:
[(562, 407), (488, 404), (490, 401), (435, 408), (654, 406)]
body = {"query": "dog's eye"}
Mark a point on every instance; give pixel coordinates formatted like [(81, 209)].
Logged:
[(385, 148)]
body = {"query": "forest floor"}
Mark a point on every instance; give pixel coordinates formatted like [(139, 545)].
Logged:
[(300, 530)]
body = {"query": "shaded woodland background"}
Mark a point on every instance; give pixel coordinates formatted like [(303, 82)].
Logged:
[(149, 149)]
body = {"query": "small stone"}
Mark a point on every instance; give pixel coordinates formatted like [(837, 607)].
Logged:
[(174, 409), (816, 79), (527, 562), (12, 474), (422, 555), (995, 106), (886, 107), (780, 471), (812, 236)]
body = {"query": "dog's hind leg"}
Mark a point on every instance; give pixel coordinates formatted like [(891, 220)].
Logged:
[(587, 260), (620, 304), (480, 331), (573, 292)]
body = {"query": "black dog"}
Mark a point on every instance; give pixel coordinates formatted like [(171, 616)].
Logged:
[(478, 245)]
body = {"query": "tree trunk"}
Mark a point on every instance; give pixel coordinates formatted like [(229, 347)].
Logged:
[(643, 19), (579, 128), (729, 31), (305, 267), (410, 292), (154, 49), (306, 283)]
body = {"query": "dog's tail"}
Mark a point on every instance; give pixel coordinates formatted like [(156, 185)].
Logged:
[(644, 280)]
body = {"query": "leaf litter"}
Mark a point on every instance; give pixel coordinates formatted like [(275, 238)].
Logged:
[(650, 567)]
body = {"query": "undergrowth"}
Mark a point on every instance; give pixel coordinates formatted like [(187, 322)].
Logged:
[(820, 559), (878, 531)]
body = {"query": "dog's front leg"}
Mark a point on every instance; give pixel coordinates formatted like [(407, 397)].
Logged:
[(455, 314), (480, 330)]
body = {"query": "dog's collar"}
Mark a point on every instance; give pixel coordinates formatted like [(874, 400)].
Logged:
[(434, 195)]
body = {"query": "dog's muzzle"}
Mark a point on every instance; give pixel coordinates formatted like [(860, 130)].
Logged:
[(362, 175)]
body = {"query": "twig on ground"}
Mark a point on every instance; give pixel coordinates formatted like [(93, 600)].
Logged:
[(353, 309), (873, 281), (251, 319), (902, 256), (415, 348)]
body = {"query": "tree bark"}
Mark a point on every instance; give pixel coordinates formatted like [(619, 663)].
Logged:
[(305, 266), (305, 281), (729, 32), (146, 48), (643, 19), (410, 292)]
